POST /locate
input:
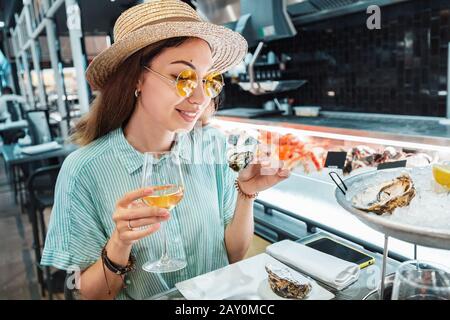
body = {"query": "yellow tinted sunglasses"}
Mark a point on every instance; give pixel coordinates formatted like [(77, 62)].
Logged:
[(187, 81)]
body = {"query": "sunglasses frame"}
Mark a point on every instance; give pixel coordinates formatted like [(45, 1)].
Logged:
[(174, 82)]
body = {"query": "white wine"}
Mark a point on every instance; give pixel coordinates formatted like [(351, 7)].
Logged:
[(165, 197)]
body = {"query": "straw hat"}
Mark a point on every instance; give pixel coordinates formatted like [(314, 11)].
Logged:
[(157, 20)]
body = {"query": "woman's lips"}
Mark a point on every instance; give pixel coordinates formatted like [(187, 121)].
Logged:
[(187, 116)]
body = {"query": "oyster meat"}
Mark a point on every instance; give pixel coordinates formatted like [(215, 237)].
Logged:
[(284, 285), (241, 150), (386, 197), (240, 160)]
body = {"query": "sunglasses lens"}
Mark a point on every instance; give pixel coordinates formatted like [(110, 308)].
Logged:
[(186, 83), (213, 84)]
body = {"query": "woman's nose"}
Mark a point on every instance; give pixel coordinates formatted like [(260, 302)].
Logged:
[(198, 97)]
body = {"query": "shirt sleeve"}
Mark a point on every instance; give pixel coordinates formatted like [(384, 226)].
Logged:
[(75, 236)]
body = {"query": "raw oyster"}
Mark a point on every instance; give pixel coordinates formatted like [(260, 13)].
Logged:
[(241, 150), (386, 197), (240, 161), (284, 285)]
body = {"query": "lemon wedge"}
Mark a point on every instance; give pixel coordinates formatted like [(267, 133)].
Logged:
[(441, 173)]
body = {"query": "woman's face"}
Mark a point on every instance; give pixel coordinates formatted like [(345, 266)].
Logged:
[(159, 99)]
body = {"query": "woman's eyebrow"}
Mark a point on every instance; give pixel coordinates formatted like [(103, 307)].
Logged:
[(184, 62)]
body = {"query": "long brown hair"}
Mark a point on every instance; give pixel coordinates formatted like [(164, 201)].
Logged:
[(114, 104)]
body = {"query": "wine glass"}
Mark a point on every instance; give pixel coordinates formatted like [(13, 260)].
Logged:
[(420, 280), (162, 172)]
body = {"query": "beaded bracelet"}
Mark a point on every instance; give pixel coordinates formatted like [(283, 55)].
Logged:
[(242, 193), (115, 268), (119, 270)]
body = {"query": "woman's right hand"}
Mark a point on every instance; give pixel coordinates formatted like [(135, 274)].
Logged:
[(142, 219)]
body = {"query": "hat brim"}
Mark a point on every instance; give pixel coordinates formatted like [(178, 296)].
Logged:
[(228, 47)]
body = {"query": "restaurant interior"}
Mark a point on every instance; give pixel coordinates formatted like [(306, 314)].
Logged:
[(356, 89)]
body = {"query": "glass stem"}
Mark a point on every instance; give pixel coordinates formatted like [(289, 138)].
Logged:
[(164, 257)]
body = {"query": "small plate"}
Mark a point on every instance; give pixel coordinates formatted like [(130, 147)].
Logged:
[(242, 280)]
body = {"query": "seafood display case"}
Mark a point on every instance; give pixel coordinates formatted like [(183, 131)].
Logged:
[(305, 147), (381, 192)]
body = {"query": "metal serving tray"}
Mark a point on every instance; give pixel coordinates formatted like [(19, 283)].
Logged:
[(424, 236)]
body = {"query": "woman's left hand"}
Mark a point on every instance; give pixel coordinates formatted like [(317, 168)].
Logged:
[(260, 176)]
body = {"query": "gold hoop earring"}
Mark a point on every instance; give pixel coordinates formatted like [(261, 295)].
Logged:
[(137, 93)]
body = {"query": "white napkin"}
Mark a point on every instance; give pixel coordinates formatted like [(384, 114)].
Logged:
[(332, 271)]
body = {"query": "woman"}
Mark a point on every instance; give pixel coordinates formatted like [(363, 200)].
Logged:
[(143, 104)]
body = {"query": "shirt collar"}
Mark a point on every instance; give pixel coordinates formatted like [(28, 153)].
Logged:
[(132, 159)]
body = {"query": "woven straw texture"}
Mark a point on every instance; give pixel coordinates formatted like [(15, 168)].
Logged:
[(157, 20)]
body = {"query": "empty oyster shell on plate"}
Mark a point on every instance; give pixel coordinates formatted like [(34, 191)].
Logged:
[(387, 196), (284, 285)]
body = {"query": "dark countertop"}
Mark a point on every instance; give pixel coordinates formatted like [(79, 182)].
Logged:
[(406, 127), (413, 129)]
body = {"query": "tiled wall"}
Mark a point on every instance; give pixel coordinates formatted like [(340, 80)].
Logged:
[(399, 69)]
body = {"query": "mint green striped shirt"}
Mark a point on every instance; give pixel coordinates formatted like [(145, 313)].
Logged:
[(94, 177)]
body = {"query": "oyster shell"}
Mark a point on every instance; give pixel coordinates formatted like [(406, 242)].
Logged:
[(386, 197), (284, 285), (240, 161), (241, 150)]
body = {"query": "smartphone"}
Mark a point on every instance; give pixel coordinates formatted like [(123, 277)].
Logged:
[(342, 251)]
